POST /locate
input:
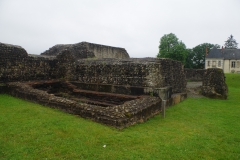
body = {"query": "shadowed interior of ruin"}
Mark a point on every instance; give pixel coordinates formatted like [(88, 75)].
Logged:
[(72, 92)]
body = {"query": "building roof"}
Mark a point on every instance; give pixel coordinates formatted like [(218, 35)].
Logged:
[(224, 53)]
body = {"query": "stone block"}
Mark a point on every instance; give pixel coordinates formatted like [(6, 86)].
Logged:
[(214, 85), (88, 50), (164, 93)]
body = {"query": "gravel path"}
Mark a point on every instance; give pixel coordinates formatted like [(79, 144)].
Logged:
[(193, 89)]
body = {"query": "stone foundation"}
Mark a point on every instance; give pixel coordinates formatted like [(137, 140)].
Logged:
[(120, 116), (120, 111)]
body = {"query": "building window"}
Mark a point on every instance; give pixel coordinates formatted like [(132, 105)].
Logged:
[(219, 63), (233, 64), (214, 64), (208, 63)]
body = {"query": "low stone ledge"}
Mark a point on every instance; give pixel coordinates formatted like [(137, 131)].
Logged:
[(120, 116)]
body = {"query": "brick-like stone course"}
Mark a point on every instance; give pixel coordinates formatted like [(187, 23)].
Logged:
[(142, 72), (123, 74), (17, 65), (172, 74)]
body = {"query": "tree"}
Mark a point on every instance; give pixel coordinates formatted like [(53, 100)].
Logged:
[(196, 56), (231, 43), (189, 61), (171, 47)]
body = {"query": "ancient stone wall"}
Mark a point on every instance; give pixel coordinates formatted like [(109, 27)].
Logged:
[(12, 51), (140, 73), (126, 76), (122, 113), (123, 76), (103, 51), (172, 74), (88, 50), (119, 116), (214, 85), (17, 65), (194, 74)]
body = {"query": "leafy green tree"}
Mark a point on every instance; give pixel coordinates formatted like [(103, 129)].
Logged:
[(171, 47), (196, 56)]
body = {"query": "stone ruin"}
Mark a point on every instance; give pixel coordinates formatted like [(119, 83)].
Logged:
[(214, 85), (88, 50), (213, 82), (111, 88), (101, 82)]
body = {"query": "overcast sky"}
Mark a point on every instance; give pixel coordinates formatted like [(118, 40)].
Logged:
[(136, 25)]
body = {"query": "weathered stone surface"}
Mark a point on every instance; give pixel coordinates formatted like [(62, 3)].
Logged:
[(119, 116), (172, 74), (17, 65), (139, 72), (29, 68), (194, 74), (133, 110), (214, 85), (88, 50), (66, 65), (126, 76), (139, 76), (12, 51)]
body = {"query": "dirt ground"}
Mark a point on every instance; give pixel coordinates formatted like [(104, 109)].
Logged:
[(193, 89)]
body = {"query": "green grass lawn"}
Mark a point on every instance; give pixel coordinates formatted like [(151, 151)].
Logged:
[(194, 129)]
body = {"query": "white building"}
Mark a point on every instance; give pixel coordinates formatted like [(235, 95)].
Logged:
[(226, 59)]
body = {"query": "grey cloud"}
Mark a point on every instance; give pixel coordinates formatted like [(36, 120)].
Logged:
[(136, 25)]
